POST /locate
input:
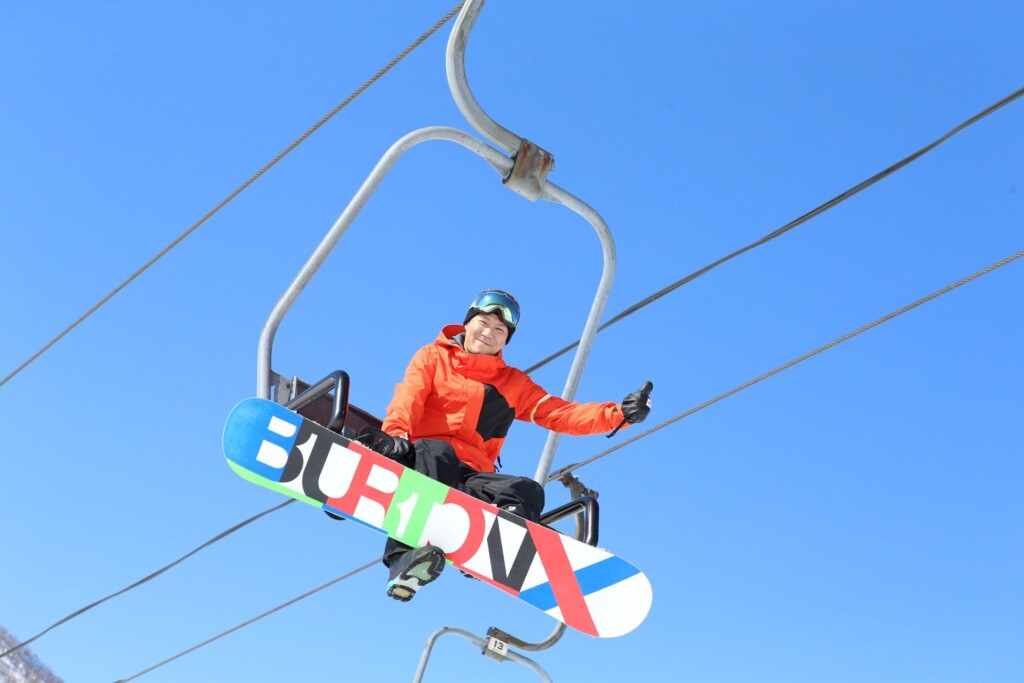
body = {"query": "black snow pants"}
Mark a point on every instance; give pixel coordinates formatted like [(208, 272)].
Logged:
[(436, 459)]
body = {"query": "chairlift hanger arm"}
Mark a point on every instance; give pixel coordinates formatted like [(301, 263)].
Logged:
[(455, 67), (532, 163)]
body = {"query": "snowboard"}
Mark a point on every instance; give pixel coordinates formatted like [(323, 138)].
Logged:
[(585, 587)]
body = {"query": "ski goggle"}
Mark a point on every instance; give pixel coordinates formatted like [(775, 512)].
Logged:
[(494, 301)]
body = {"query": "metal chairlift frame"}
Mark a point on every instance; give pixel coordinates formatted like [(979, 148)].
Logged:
[(525, 172)]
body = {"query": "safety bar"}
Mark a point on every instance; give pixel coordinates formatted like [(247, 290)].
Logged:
[(587, 506), (339, 382)]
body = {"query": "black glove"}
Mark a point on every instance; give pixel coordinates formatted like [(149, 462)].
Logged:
[(402, 450), (637, 405), (397, 448)]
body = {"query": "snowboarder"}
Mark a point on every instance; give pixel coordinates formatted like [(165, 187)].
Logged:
[(451, 412)]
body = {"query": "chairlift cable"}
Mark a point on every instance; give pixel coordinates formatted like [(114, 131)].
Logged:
[(155, 574), (241, 188), (886, 318), (838, 199), (253, 620)]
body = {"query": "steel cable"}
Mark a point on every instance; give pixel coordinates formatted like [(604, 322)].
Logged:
[(253, 620), (241, 188), (838, 199), (886, 318), (155, 574)]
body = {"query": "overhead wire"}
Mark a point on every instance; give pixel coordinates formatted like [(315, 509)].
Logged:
[(241, 188), (838, 199), (785, 366), (150, 577), (253, 620)]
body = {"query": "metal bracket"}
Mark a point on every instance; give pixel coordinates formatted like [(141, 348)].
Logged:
[(510, 655), (575, 486), (282, 388), (530, 171), (497, 644), (339, 382)]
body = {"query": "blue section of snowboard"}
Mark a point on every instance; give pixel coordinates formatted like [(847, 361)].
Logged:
[(251, 430), (591, 579)]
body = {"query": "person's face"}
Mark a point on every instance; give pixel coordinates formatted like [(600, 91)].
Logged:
[(486, 333)]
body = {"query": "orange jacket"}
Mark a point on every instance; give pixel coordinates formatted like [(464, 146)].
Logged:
[(470, 400)]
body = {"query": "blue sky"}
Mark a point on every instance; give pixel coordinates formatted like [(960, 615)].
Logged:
[(854, 518)]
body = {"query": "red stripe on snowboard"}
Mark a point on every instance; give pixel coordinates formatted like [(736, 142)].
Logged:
[(563, 580)]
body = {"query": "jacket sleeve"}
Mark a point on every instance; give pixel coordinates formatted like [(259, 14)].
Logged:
[(564, 417), (406, 407)]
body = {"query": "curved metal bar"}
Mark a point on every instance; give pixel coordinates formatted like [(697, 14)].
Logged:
[(501, 164), (340, 382), (482, 643), (545, 644), (455, 67), (553, 193)]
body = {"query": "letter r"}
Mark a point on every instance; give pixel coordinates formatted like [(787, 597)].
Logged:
[(370, 490)]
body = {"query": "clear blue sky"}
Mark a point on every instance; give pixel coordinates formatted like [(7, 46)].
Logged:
[(856, 518)]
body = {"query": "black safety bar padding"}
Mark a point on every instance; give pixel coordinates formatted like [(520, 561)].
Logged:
[(584, 505), (323, 407)]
